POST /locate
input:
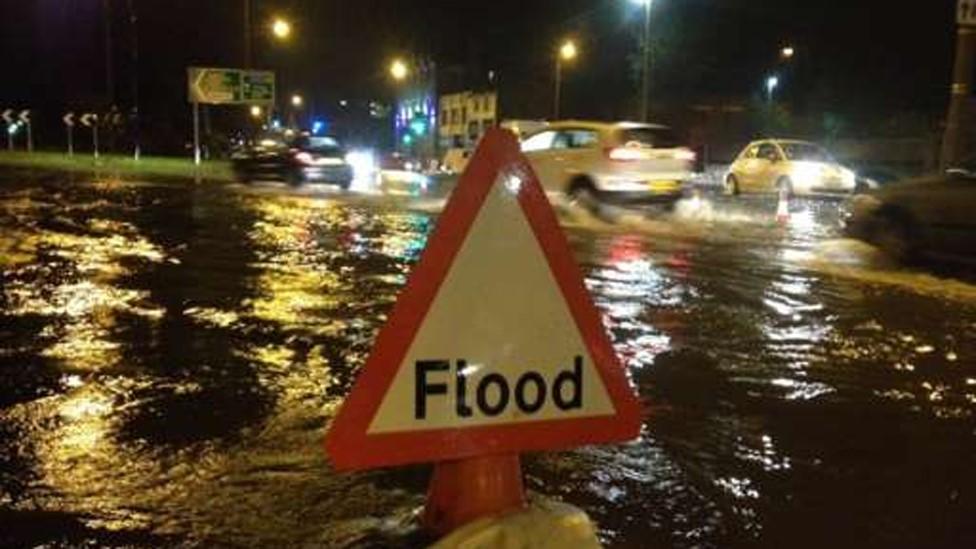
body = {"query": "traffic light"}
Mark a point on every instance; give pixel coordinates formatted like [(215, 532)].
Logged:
[(418, 125)]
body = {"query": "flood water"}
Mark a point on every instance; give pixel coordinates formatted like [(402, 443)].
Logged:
[(171, 355)]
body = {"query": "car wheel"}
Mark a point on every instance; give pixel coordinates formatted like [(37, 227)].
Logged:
[(784, 185), (583, 194), (732, 185), (294, 177), (242, 176), (893, 234), (864, 184), (345, 184)]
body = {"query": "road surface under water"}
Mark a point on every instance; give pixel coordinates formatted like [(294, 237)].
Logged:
[(171, 354)]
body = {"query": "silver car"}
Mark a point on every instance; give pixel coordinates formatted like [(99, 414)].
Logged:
[(610, 162)]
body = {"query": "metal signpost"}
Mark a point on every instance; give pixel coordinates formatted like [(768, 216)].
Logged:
[(69, 125), (24, 118), (479, 363), (962, 78), (215, 86), (8, 120), (90, 120)]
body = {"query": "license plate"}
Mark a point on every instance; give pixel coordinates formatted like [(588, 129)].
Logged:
[(663, 185)]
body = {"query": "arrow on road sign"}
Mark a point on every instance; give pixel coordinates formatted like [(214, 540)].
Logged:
[(24, 116), (8, 116), (88, 118), (494, 345), (68, 119)]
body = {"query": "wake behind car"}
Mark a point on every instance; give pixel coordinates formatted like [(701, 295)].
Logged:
[(296, 159), (927, 216), (591, 162), (793, 167)]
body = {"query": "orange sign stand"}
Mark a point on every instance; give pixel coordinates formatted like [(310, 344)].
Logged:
[(493, 348)]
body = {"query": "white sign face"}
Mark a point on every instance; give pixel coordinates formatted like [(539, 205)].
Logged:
[(499, 344), (966, 13)]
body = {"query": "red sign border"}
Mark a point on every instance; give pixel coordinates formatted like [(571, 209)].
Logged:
[(348, 443)]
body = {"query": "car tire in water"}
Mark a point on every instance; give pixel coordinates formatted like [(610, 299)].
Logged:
[(294, 178), (732, 185), (892, 233), (582, 193)]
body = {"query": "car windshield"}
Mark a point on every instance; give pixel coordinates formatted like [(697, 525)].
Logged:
[(661, 138), (805, 151)]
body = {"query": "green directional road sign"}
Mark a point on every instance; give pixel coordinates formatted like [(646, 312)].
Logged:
[(258, 87), (230, 86)]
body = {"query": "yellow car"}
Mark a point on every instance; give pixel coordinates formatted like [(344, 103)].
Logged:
[(794, 167)]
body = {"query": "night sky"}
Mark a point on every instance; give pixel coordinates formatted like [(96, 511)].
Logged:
[(853, 56)]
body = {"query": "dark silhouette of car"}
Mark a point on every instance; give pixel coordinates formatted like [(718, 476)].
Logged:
[(927, 216), (297, 160)]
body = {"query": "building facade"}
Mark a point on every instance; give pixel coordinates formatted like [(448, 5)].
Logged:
[(464, 117)]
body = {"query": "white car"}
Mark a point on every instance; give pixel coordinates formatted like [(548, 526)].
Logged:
[(793, 167), (623, 162)]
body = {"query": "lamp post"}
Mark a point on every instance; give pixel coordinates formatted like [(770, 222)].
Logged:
[(772, 82), (280, 28), (645, 59), (399, 70), (567, 52)]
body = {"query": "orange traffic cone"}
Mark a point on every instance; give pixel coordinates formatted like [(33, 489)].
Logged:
[(468, 489), (783, 207)]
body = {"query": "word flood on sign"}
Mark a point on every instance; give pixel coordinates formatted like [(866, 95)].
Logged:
[(494, 394)]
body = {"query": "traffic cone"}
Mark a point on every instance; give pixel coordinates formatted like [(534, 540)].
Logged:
[(469, 489), (783, 207)]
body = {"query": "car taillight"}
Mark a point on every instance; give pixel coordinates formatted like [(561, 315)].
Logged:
[(685, 154), (304, 158), (624, 154)]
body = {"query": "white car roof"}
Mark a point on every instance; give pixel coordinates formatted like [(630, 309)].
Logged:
[(601, 126)]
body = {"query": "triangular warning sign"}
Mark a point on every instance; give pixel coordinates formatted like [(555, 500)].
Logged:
[(494, 345)]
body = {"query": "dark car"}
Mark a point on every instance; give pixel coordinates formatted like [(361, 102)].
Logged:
[(293, 159), (927, 216)]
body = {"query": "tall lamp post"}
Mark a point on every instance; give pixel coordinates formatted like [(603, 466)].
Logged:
[(960, 90), (772, 82), (567, 52), (645, 58)]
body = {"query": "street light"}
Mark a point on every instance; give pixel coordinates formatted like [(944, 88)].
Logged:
[(399, 70), (296, 101), (787, 52), (256, 111), (567, 52), (281, 28), (646, 57), (771, 83)]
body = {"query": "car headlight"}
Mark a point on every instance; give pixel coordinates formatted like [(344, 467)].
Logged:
[(805, 174), (848, 178)]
